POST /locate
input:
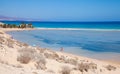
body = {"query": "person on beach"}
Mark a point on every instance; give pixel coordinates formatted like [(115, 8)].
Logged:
[(11, 37), (61, 49)]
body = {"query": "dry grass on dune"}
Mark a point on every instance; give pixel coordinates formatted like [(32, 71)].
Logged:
[(66, 59), (72, 61), (2, 40), (110, 67), (20, 44), (40, 61), (27, 55), (41, 50), (51, 55), (86, 66), (10, 43)]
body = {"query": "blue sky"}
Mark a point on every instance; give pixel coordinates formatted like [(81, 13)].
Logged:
[(62, 10)]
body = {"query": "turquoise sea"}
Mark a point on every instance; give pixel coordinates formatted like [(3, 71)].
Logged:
[(83, 25), (101, 44)]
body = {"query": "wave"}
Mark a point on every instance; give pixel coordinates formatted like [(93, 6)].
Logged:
[(92, 29)]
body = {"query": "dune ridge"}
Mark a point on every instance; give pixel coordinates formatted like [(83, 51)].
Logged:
[(20, 58)]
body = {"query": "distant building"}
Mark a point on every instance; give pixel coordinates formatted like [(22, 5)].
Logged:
[(26, 26), (23, 25), (29, 26)]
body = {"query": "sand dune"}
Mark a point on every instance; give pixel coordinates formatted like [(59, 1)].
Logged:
[(20, 58)]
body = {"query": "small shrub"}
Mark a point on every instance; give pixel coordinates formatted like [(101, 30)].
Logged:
[(51, 55), (86, 66), (62, 59), (26, 55), (72, 61), (24, 58), (27, 50), (40, 61), (65, 59), (47, 55), (40, 58), (22, 44), (65, 70), (1, 40), (30, 54), (92, 66), (110, 67), (41, 50), (40, 66), (83, 67), (10, 45), (55, 55)]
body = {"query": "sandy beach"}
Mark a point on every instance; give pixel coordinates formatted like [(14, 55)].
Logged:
[(15, 29), (20, 58)]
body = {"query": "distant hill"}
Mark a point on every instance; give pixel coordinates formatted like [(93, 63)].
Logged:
[(7, 18)]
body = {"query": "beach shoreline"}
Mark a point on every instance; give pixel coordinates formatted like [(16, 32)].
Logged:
[(16, 29), (36, 28), (82, 29), (58, 62), (28, 29)]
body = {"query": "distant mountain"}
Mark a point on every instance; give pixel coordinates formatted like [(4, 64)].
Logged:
[(6, 18)]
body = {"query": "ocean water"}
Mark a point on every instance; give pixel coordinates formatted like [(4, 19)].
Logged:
[(84, 25), (100, 44)]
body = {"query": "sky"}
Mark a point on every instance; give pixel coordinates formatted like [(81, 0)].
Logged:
[(62, 10)]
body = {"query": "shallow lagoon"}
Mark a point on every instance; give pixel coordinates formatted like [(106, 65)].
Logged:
[(95, 44)]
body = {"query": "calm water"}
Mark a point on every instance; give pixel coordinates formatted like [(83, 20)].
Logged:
[(98, 41), (96, 44), (85, 25)]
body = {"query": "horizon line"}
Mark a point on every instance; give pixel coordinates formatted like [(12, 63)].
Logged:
[(58, 21)]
